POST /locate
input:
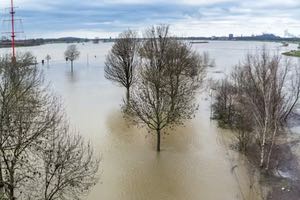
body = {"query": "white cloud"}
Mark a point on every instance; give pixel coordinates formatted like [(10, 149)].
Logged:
[(188, 17)]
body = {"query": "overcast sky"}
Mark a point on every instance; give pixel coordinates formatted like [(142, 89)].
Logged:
[(105, 18)]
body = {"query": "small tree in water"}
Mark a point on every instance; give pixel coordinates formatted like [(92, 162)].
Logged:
[(170, 74), (72, 53), (121, 62)]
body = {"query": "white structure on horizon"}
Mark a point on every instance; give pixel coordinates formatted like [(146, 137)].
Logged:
[(287, 34)]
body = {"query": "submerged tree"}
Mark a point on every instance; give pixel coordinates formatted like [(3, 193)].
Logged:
[(72, 53), (121, 62), (170, 74)]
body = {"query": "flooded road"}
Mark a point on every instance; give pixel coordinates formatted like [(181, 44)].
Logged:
[(195, 162)]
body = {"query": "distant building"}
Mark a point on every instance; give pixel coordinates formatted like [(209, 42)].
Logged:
[(230, 37), (287, 34), (265, 36)]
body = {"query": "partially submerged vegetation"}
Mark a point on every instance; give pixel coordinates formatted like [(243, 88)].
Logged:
[(121, 62), (40, 157), (72, 54), (168, 75), (294, 53), (255, 102)]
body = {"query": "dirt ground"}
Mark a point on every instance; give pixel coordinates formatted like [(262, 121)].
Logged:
[(283, 180)]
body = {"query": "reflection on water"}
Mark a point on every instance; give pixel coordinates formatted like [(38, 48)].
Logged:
[(72, 76), (194, 164)]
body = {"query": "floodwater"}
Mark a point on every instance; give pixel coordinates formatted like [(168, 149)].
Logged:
[(195, 162)]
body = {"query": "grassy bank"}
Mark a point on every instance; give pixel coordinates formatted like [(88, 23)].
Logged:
[(292, 53)]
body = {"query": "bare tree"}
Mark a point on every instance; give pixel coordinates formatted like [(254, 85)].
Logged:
[(29, 118), (293, 96), (170, 75), (229, 111), (223, 107), (72, 53), (266, 92), (26, 113), (121, 62), (262, 79), (69, 168)]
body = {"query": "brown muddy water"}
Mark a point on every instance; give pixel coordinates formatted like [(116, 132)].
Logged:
[(195, 162)]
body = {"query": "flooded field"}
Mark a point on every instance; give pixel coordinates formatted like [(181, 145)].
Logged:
[(195, 162)]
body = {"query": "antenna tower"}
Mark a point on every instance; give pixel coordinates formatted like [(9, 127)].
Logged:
[(13, 36), (11, 31)]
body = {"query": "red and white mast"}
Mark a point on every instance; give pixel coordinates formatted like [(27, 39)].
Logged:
[(13, 35)]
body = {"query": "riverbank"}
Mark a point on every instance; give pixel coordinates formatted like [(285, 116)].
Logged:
[(293, 53), (285, 180), (286, 176), (282, 181)]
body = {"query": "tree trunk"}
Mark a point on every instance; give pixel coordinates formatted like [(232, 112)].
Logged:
[(271, 148), (11, 187), (71, 65), (263, 142), (127, 95), (291, 109), (262, 151), (11, 194), (1, 180), (158, 140)]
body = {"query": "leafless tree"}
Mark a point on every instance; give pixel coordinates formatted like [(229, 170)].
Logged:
[(69, 167), (26, 113), (228, 110), (29, 118), (263, 79), (223, 107), (266, 90), (169, 76), (121, 62), (72, 53)]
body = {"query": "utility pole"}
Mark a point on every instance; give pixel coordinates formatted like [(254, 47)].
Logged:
[(13, 35), (11, 32)]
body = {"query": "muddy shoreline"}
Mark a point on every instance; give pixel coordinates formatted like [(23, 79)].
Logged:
[(282, 182), (285, 180), (286, 159)]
